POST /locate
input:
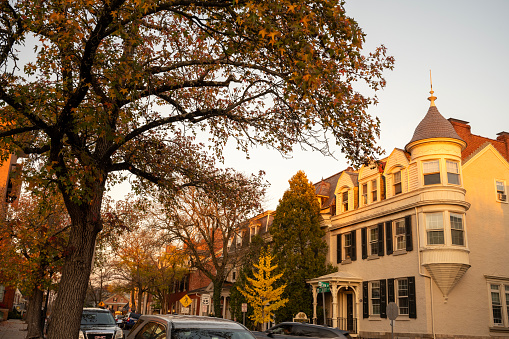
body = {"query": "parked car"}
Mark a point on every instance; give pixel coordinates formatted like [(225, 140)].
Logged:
[(291, 330), (172, 326), (130, 319), (99, 323), (119, 319)]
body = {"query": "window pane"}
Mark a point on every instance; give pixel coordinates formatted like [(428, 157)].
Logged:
[(452, 167), (431, 167), (500, 187), (453, 178), (432, 179), (457, 237), (397, 177), (497, 314), (434, 221), (374, 191), (435, 237)]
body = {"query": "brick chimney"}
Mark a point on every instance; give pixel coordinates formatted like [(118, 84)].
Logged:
[(462, 128), (504, 137)]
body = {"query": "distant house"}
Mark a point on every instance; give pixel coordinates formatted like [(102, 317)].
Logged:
[(425, 228), (116, 302)]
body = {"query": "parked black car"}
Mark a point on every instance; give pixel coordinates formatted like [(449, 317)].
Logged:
[(99, 323), (290, 330), (130, 319), (172, 326)]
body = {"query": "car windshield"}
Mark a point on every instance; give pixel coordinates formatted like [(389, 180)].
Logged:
[(97, 318), (204, 333)]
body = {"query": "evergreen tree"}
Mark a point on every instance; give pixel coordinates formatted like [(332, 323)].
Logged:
[(260, 292), (298, 245)]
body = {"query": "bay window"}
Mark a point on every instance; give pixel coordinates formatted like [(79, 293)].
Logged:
[(431, 171), (435, 228), (453, 172), (457, 230)]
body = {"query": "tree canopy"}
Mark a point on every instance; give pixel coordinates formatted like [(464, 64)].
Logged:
[(298, 245), (116, 88)]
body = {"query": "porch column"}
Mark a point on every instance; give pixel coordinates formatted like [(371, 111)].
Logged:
[(315, 303), (334, 290), (224, 307)]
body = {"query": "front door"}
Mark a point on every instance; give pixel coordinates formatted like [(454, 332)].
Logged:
[(349, 313)]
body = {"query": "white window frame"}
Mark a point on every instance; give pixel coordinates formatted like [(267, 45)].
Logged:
[(399, 238), (374, 190), (344, 202), (397, 182), (433, 226), (374, 300), (501, 191), (373, 241), (401, 291), (365, 193), (428, 170), (348, 246), (499, 286), (453, 171), (457, 228)]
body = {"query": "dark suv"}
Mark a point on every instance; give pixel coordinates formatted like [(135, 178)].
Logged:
[(290, 330), (98, 323)]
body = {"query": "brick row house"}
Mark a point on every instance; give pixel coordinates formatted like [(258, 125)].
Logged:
[(426, 228)]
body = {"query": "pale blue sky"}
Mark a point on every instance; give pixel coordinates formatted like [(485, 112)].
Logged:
[(466, 46)]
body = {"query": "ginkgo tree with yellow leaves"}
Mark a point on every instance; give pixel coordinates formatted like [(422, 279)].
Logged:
[(95, 92), (261, 292)]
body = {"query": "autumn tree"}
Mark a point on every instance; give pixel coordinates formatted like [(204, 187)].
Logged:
[(113, 88), (261, 292), (34, 235), (207, 223), (298, 244)]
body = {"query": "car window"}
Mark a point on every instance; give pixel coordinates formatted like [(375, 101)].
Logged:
[(312, 331), (97, 318), (282, 329), (159, 332), (146, 331), (298, 330), (325, 333)]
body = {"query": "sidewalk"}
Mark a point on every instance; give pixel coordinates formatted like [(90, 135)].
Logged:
[(13, 329)]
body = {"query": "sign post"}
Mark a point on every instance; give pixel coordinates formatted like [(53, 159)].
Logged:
[(244, 310), (185, 301), (323, 287), (392, 313)]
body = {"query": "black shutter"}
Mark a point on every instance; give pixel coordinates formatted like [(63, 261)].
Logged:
[(383, 299), (365, 300), (390, 291), (388, 236), (412, 308), (381, 239), (338, 249), (408, 229), (364, 243), (354, 246)]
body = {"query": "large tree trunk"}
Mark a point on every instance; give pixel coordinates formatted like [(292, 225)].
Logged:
[(66, 315), (34, 314), (218, 287)]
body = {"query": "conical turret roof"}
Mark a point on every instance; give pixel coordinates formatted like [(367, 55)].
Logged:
[(434, 125)]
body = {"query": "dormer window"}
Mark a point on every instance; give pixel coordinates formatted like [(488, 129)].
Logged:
[(431, 170), (345, 201), (397, 182), (453, 172), (365, 194), (374, 190)]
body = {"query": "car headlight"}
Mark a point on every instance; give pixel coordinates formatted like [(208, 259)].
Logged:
[(119, 334), (81, 336)]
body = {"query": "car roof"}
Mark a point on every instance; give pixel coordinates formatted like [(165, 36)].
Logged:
[(193, 321)]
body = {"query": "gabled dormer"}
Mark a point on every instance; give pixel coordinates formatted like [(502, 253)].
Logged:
[(396, 173), (370, 183), (347, 191)]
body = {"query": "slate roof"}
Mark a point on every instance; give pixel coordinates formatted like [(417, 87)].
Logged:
[(434, 125)]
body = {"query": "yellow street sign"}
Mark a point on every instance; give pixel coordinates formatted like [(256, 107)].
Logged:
[(101, 304), (186, 301)]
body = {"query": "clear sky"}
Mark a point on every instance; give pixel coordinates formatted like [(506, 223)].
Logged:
[(466, 46)]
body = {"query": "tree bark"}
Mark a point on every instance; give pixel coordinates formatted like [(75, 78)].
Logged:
[(34, 314), (218, 286), (66, 315)]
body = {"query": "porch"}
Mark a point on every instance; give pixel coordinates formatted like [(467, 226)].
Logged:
[(340, 296)]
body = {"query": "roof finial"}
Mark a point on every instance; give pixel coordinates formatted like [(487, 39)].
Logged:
[(432, 98)]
